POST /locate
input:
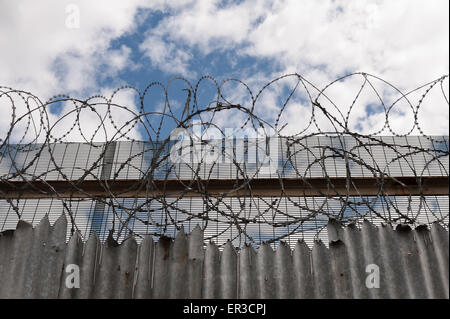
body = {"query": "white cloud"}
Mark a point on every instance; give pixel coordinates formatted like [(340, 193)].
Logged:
[(405, 42), (34, 36), (167, 57), (40, 54)]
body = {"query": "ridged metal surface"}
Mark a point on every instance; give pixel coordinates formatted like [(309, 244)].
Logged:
[(412, 263), (133, 159)]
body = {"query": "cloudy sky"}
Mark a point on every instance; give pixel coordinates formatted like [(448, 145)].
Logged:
[(84, 48)]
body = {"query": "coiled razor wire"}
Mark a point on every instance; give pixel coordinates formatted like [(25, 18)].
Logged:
[(253, 218)]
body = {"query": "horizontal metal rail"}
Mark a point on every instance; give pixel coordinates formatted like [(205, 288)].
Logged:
[(126, 188)]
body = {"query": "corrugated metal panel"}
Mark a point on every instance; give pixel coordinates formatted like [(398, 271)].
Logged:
[(412, 264)]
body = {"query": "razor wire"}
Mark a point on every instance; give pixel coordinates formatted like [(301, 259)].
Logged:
[(37, 124)]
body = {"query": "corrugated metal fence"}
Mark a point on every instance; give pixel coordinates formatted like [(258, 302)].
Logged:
[(35, 263)]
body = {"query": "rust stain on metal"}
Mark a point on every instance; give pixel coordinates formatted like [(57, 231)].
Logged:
[(166, 242)]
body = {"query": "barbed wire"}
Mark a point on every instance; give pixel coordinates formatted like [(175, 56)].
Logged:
[(332, 147)]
